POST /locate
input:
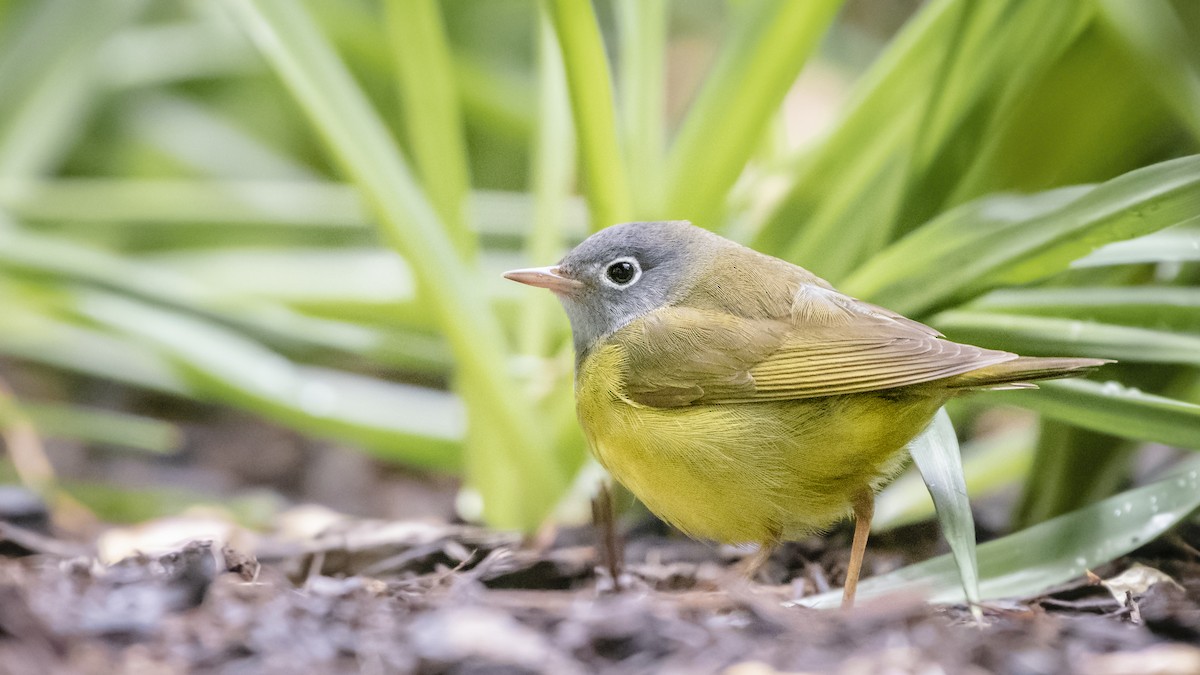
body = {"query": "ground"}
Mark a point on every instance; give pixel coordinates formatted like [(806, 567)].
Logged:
[(415, 597)]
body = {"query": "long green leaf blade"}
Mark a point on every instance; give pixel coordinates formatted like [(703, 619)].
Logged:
[(771, 43), (1177, 244), (912, 127), (1174, 308), (936, 455), (553, 173), (431, 111), (1013, 240), (1052, 552), (989, 464), (30, 332), (308, 65), (49, 79), (96, 425), (1072, 467), (589, 82), (1114, 409), (400, 422), (64, 260), (1050, 336), (642, 29), (324, 206), (1153, 33)]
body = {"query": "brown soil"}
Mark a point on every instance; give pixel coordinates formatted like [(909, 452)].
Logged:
[(402, 597)]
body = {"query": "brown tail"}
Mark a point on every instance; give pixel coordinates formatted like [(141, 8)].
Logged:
[(1019, 372)]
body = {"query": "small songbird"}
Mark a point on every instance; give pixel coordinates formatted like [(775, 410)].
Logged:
[(741, 397)]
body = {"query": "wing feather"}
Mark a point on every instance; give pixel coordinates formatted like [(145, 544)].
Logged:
[(817, 343)]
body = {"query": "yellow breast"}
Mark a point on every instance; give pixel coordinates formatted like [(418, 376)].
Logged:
[(746, 472)]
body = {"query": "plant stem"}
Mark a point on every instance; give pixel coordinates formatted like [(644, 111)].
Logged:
[(590, 85), (553, 173), (753, 73), (353, 132), (431, 111), (642, 27)]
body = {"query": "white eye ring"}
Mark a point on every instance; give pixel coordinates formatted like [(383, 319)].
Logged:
[(637, 273)]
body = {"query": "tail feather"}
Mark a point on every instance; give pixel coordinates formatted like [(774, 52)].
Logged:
[(1023, 370)]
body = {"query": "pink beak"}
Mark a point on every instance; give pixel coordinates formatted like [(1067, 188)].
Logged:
[(545, 277)]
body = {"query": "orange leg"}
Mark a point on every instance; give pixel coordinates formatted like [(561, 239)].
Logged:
[(864, 510), (608, 544), (750, 565)]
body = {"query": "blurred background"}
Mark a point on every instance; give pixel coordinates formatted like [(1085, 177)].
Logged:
[(250, 249)]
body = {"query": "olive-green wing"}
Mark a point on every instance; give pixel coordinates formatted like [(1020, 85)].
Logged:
[(679, 356), (802, 369), (682, 356)]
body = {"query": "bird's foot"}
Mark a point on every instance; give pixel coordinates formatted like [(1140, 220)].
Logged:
[(748, 568)]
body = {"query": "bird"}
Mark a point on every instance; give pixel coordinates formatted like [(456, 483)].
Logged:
[(742, 398)]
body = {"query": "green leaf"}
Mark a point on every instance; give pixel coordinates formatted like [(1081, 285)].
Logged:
[(493, 96), (398, 422), (553, 175), (1048, 137), (771, 42), (200, 138), (1053, 336), (1001, 241), (47, 74), (295, 275), (1153, 33), (1174, 308), (1072, 467), (125, 504), (913, 122), (66, 260), (28, 332), (1112, 408), (1177, 244), (936, 454), (1032, 560), (642, 30), (589, 83), (96, 425), (894, 275), (333, 210), (836, 175), (152, 55), (431, 111), (356, 136), (170, 202), (989, 464)]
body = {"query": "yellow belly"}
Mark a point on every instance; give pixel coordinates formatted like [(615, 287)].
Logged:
[(747, 472)]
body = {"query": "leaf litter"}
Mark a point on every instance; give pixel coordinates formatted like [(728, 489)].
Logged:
[(420, 597)]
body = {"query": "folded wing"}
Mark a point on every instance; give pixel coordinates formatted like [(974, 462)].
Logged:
[(824, 344)]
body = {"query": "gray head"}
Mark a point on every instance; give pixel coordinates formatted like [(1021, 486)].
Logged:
[(623, 272)]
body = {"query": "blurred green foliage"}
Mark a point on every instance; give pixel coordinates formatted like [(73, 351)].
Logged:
[(299, 209)]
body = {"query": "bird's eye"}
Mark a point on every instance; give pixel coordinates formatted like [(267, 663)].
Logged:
[(623, 271)]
